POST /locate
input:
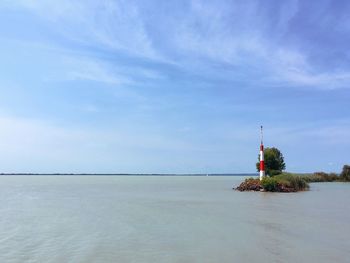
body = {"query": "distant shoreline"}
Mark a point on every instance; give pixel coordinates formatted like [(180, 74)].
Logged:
[(123, 174)]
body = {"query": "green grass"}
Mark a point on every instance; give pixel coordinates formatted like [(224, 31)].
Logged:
[(326, 177), (285, 182), (321, 177)]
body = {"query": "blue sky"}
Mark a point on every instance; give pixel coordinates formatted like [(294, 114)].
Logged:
[(173, 86)]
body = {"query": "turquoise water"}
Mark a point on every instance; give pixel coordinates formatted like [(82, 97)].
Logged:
[(169, 219)]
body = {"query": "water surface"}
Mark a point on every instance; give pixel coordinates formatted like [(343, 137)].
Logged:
[(169, 219)]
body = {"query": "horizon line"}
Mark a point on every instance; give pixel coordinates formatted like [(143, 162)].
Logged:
[(137, 174)]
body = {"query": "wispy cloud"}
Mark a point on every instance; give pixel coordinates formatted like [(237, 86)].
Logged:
[(291, 68), (94, 70), (248, 36), (113, 24)]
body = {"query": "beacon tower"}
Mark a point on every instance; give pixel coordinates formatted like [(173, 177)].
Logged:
[(262, 165)]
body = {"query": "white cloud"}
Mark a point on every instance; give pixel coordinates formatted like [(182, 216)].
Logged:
[(236, 34), (126, 78), (209, 30), (94, 70), (292, 68), (113, 24), (317, 80)]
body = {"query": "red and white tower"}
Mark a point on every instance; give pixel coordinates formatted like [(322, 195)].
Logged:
[(262, 165)]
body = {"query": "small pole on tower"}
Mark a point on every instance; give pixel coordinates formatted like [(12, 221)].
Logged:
[(262, 164)]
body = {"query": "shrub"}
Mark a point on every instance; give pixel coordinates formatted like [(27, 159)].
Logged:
[(269, 184), (333, 177), (345, 174), (323, 177), (294, 181), (284, 182), (274, 172)]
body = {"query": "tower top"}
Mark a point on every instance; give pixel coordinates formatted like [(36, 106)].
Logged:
[(261, 134)]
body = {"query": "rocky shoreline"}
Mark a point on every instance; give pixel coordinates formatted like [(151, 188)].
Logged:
[(286, 184), (250, 185)]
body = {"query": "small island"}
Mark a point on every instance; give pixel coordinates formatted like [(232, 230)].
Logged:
[(278, 181), (285, 182)]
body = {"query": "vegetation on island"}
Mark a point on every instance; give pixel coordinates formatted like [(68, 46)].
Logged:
[(278, 181), (344, 176), (284, 182), (321, 177)]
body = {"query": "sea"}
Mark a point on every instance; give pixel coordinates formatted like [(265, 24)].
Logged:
[(169, 219)]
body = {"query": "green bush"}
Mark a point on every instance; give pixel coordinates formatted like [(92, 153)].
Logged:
[(297, 182), (323, 177), (345, 174), (269, 184), (284, 182), (274, 172)]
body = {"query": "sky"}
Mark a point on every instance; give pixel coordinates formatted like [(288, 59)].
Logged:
[(174, 86)]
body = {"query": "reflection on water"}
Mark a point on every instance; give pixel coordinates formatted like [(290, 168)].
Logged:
[(168, 219)]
